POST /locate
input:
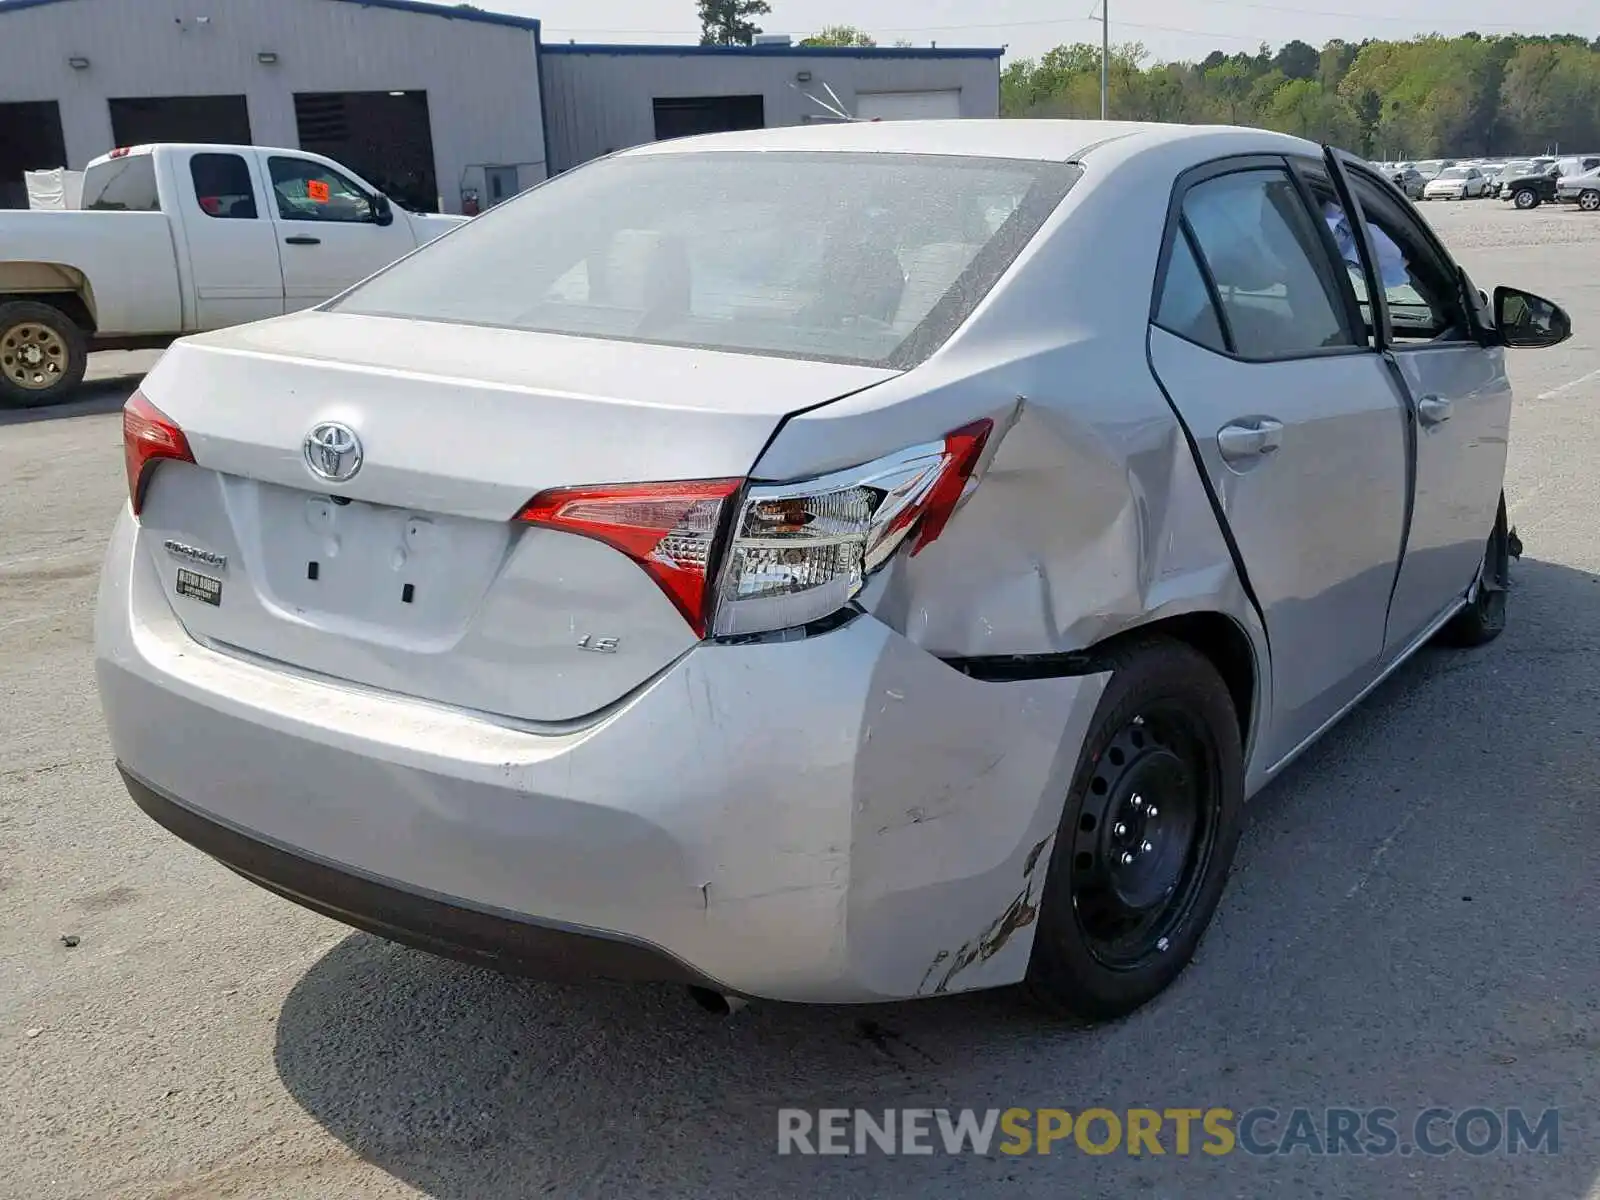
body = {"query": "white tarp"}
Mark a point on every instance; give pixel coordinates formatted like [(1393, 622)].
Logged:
[(57, 189)]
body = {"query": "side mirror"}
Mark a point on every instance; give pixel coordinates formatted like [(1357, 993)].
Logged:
[(382, 210), (1529, 322)]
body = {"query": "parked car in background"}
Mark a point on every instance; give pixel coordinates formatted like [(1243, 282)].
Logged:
[(177, 239), (740, 561), (1582, 190), (1456, 183), (1410, 181)]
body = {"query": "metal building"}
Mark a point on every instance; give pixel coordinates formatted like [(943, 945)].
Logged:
[(425, 101), (443, 107), (606, 97)]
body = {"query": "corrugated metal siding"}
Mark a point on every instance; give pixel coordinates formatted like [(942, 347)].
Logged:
[(482, 80), (602, 102)]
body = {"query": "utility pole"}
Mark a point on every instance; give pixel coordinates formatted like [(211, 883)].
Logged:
[(1105, 60)]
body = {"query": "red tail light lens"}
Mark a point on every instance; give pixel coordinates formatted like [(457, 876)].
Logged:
[(962, 449), (667, 528), (148, 435)]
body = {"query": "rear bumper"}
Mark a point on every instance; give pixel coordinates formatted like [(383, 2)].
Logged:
[(843, 818), (504, 941)]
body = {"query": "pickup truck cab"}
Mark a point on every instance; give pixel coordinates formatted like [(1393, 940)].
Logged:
[(180, 239)]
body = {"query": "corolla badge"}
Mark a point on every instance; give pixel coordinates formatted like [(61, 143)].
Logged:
[(333, 451)]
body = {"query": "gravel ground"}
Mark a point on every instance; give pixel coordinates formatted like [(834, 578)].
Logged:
[(1410, 923)]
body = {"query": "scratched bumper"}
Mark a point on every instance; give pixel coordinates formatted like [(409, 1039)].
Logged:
[(838, 819)]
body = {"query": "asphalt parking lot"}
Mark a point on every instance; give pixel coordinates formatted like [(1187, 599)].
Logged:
[(1411, 923)]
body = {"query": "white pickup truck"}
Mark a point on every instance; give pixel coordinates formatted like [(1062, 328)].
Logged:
[(176, 239)]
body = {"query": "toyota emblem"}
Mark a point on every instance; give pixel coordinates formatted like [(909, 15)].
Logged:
[(333, 451)]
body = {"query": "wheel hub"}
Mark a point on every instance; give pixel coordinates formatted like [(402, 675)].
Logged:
[(1139, 845), (1145, 845), (32, 356)]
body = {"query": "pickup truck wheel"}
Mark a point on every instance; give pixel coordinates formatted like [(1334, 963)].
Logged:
[(1589, 201), (1526, 198), (1146, 838), (43, 354)]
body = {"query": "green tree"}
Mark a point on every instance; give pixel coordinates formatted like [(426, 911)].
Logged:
[(838, 35), (1231, 84), (1297, 60), (1425, 97), (728, 23)]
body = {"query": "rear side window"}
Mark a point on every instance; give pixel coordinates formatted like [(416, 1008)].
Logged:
[(1186, 307), (222, 186), (844, 257), (122, 185), (1280, 297)]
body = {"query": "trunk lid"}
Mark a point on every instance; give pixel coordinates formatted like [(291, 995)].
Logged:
[(411, 576)]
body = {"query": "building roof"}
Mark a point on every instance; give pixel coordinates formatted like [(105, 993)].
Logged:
[(775, 51), (448, 11)]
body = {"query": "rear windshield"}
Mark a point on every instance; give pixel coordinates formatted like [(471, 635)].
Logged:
[(854, 257), (122, 185)]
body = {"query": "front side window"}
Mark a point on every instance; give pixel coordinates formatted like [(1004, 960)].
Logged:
[(310, 191), (222, 187), (862, 258), (1280, 297), (125, 184), (1421, 286)]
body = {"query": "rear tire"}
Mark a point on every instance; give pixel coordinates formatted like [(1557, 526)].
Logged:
[(1484, 619), (1147, 835), (43, 354), (1589, 201), (1525, 198)]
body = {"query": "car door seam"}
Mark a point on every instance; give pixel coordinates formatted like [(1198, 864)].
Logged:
[(1211, 496), (1413, 451)]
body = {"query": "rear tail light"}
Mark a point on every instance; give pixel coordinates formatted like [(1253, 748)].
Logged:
[(801, 552), (667, 528), (148, 435)]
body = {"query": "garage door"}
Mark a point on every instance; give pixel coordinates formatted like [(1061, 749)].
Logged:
[(908, 106)]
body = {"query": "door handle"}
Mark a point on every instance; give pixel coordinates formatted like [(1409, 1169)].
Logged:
[(1433, 410), (302, 241), (1243, 440)]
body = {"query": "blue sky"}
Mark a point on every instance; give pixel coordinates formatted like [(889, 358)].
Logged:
[(1170, 28)]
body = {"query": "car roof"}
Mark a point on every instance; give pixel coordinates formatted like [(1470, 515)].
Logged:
[(1048, 141)]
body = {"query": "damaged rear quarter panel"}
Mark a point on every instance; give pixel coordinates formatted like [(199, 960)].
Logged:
[(956, 809), (1090, 517)]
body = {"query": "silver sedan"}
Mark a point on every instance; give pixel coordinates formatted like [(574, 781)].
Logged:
[(830, 564)]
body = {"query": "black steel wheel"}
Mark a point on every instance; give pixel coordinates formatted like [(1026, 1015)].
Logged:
[(1147, 835), (1484, 617), (1145, 832)]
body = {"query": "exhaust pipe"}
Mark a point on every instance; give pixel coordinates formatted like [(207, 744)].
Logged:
[(718, 1003)]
